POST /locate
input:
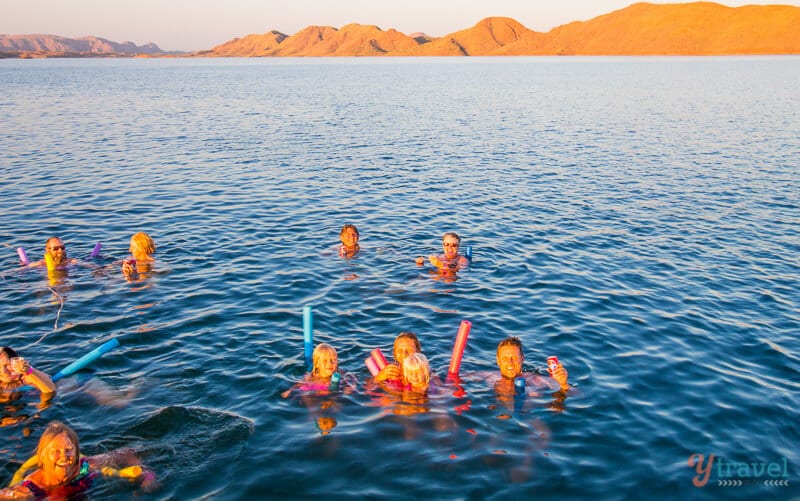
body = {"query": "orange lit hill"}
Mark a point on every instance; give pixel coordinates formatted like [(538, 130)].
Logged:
[(698, 28)]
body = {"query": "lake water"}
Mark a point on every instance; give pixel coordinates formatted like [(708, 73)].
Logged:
[(636, 217)]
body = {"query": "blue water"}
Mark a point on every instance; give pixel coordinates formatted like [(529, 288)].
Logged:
[(636, 217)]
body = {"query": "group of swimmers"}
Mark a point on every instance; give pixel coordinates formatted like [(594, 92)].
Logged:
[(57, 470)]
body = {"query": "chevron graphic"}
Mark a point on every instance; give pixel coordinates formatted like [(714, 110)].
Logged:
[(729, 483), (776, 483)]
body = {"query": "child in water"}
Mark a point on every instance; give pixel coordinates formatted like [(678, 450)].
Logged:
[(417, 373), (325, 362)]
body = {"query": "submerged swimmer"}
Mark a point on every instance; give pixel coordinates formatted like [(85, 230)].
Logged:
[(62, 473), (15, 372), (510, 359), (55, 255), (450, 261), (325, 362), (349, 237), (405, 344), (142, 248)]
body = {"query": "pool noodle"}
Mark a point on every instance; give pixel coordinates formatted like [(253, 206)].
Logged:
[(308, 339), (23, 258), (80, 363), (380, 360), (468, 252), (96, 250), (458, 347), (86, 359), (519, 385), (372, 366), (335, 378)]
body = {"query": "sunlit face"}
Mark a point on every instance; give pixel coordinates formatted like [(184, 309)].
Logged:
[(509, 359), (349, 237), (326, 364), (417, 378), (56, 250), (6, 374), (60, 459), (403, 347), (450, 246)]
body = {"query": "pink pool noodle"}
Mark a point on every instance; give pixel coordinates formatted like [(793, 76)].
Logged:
[(380, 360), (458, 347), (373, 368)]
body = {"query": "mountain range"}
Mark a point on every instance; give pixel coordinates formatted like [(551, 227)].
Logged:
[(697, 28)]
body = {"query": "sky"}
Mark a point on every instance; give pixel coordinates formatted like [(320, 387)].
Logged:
[(190, 25)]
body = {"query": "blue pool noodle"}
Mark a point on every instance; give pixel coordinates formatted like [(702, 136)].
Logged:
[(308, 339), (468, 252), (86, 359), (335, 378), (80, 363), (96, 250)]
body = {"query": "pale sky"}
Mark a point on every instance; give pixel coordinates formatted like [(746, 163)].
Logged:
[(201, 24)]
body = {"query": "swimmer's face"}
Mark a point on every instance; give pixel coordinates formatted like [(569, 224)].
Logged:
[(509, 360), (450, 246), (6, 374), (403, 347), (60, 458), (56, 250), (349, 237), (417, 378), (326, 364)]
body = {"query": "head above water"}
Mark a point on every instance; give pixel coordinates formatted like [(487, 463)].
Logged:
[(6, 374), (417, 370), (450, 243), (142, 244), (54, 249), (59, 452), (349, 235), (510, 357), (405, 344), (325, 361)]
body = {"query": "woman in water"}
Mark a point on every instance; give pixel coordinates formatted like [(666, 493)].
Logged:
[(349, 237), (15, 372), (405, 344), (62, 473), (142, 249)]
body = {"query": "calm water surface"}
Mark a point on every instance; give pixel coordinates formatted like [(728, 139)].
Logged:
[(636, 217)]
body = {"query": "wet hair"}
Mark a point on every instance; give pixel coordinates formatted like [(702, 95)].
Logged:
[(349, 227), (510, 341), (321, 349), (411, 336), (451, 234), (54, 429), (10, 353), (144, 242), (415, 362)]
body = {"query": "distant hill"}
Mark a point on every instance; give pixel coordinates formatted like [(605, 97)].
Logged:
[(52, 45), (698, 28)]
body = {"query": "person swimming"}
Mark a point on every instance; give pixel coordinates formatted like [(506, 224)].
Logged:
[(142, 248), (349, 237), (62, 473), (405, 344), (449, 262), (55, 255), (325, 362), (16, 372)]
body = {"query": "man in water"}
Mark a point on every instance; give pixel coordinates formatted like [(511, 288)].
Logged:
[(349, 238), (55, 255), (450, 261), (510, 359)]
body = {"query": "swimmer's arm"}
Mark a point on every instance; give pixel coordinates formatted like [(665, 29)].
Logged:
[(561, 375), (40, 381), (288, 392), (463, 262), (16, 492)]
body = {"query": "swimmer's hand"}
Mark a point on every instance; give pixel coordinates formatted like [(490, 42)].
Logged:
[(149, 481), (391, 371), (560, 374), (128, 267), (420, 261)]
